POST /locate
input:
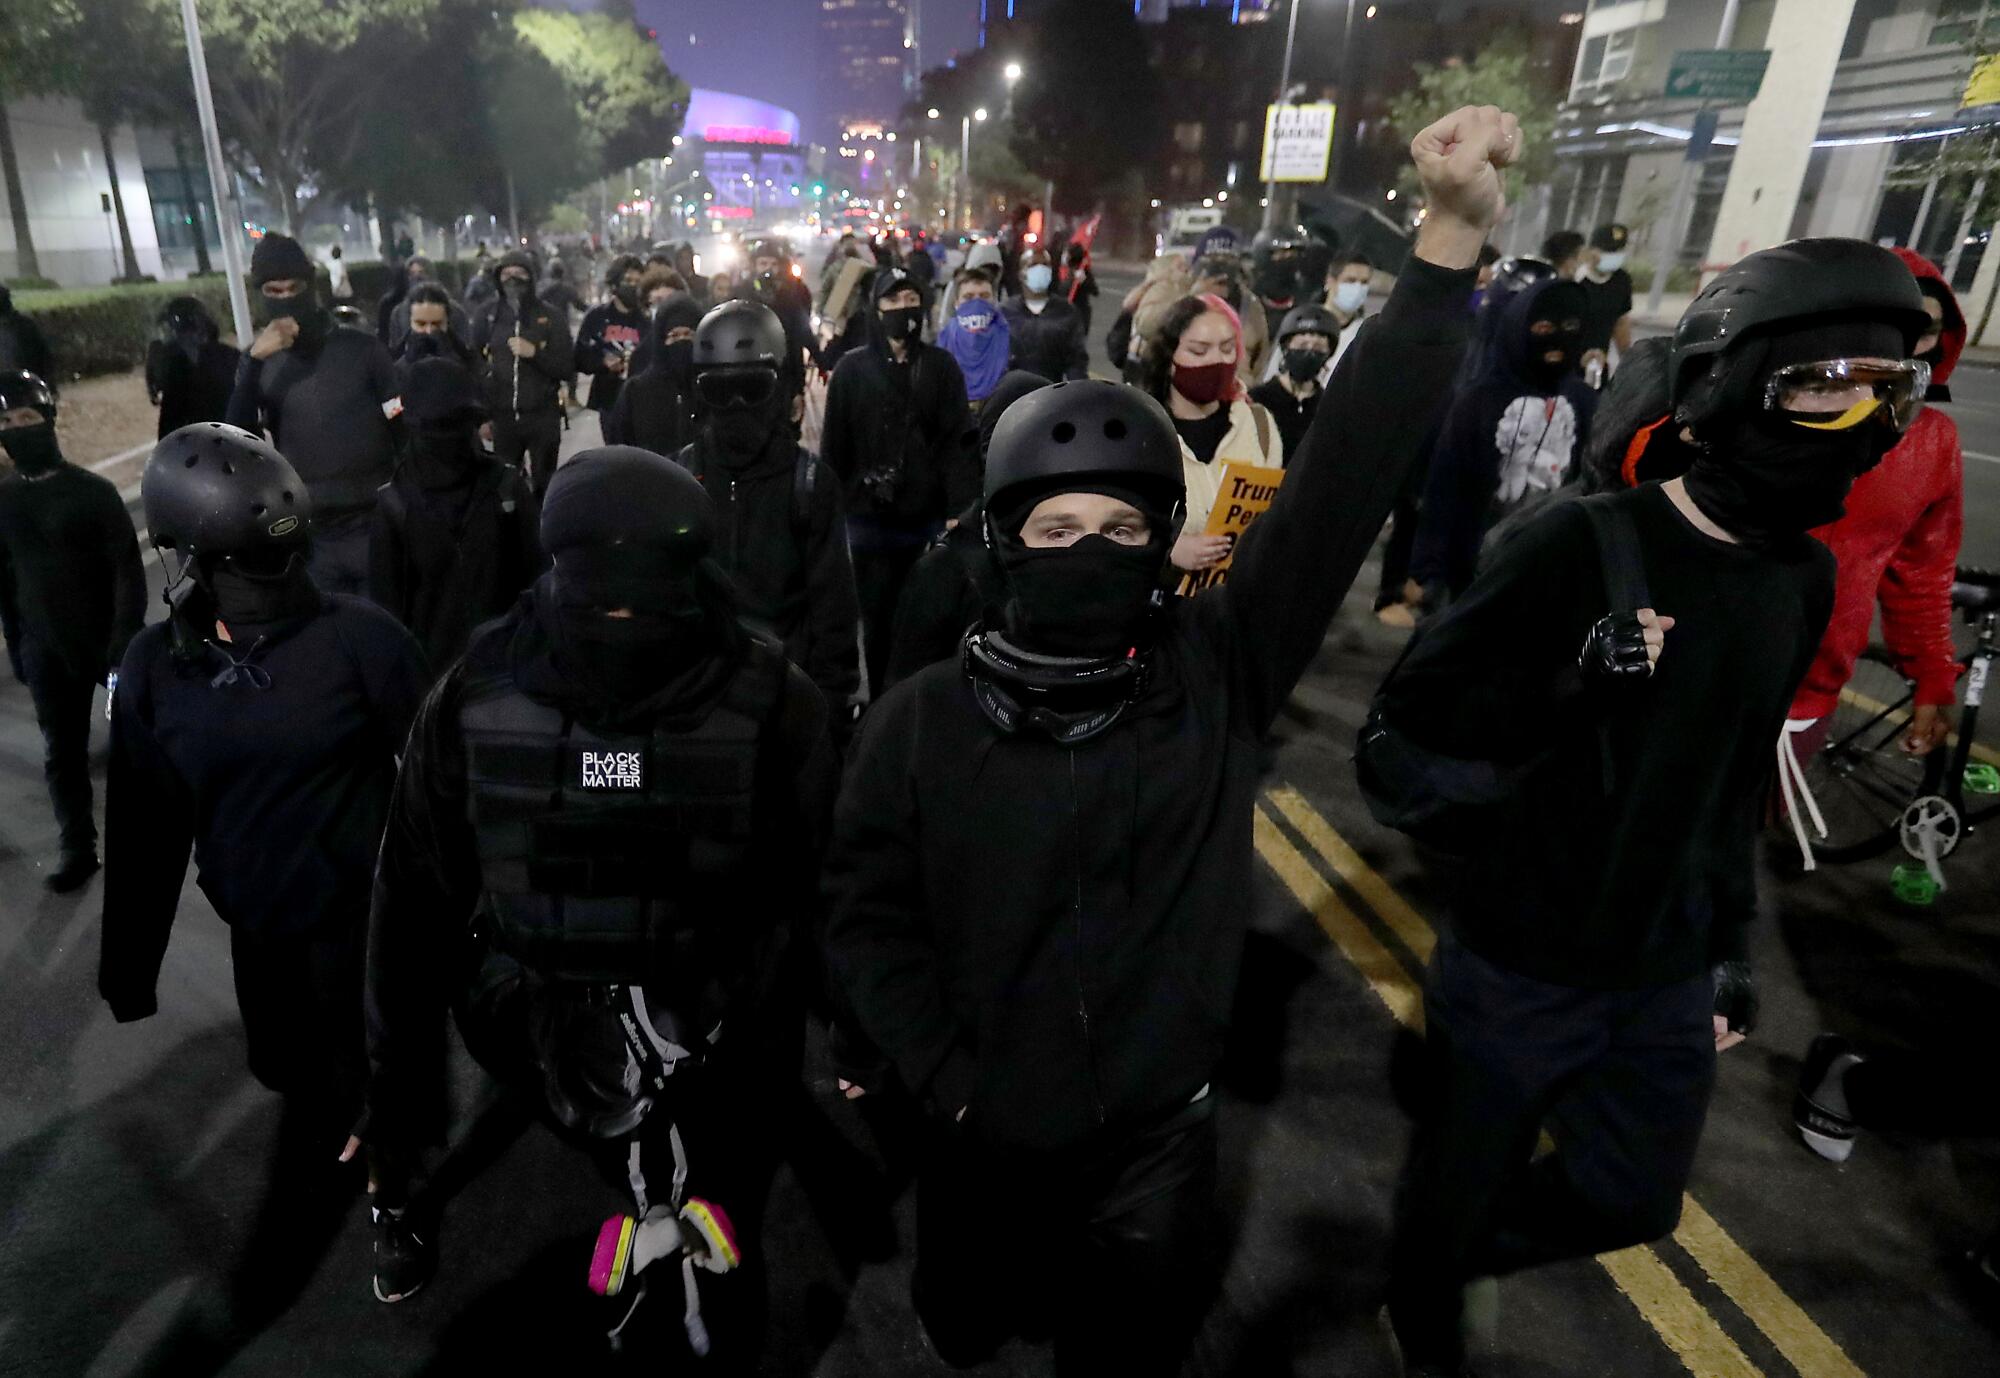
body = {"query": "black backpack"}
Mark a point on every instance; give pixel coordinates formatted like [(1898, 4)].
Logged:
[(1445, 801)]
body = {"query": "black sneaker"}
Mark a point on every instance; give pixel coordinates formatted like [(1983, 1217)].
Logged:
[(1820, 1107), (72, 873), (404, 1261)]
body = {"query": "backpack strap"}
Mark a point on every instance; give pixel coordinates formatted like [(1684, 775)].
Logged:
[(1625, 591), (805, 479), (1262, 419)]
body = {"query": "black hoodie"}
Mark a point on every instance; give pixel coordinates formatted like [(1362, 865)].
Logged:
[(521, 387), (909, 418)]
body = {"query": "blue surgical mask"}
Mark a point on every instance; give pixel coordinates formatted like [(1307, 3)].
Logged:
[(1037, 278), (1349, 297), (1610, 263)]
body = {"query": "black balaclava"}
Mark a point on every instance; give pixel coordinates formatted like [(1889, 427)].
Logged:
[(1090, 599), (1559, 304), (33, 449), (254, 590), (1953, 318), (675, 360), (625, 534), (741, 434), (1761, 477), (278, 258)]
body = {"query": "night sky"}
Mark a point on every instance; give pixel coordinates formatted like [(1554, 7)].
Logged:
[(769, 49)]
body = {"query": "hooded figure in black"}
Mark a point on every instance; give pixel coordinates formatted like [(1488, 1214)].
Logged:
[(1092, 758), (610, 334), (524, 350), (953, 585), (189, 371), (455, 539), (603, 841), (257, 726), (655, 409), (779, 532), (326, 395), (895, 428), (72, 594), (1514, 432), (1597, 956)]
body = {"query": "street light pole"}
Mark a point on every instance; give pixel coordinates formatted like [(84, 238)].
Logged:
[(1284, 95), (229, 223), (964, 168)]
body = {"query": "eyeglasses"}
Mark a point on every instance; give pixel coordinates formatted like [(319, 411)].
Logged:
[(1839, 394), (735, 389)]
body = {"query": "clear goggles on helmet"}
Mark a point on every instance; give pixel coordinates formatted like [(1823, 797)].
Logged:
[(1840, 394), (735, 389)]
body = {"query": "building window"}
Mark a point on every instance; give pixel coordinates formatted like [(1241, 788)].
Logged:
[(1606, 58), (1964, 21)]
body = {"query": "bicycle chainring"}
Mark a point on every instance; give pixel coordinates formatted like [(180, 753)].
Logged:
[(1935, 815)]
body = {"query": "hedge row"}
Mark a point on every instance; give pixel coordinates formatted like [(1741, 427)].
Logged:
[(95, 330)]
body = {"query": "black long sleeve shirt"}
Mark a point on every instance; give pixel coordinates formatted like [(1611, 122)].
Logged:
[(1049, 935), (278, 780), (1653, 882), (880, 413), (71, 585), (328, 412)]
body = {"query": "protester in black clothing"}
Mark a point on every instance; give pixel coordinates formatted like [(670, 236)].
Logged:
[(1596, 958), (611, 333), (771, 283), (1040, 853), (655, 409), (430, 335), (326, 396), (669, 777), (419, 275), (1291, 395), (454, 541), (259, 725), (779, 531), (71, 595), (896, 419), (952, 586), (557, 290), (1045, 333), (1607, 288), (22, 345), (189, 371), (684, 262), (525, 352)]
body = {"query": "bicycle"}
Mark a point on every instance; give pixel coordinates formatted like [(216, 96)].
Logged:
[(1873, 795)]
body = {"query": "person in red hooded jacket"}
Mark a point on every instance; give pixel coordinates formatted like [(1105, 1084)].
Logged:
[(1898, 543)]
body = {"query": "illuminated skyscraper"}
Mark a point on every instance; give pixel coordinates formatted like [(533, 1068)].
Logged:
[(868, 59)]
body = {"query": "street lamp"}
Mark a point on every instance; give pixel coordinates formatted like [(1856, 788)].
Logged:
[(1012, 72)]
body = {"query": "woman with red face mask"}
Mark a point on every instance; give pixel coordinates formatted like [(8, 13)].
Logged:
[(1192, 371)]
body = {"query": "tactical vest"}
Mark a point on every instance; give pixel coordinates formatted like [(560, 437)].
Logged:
[(605, 856)]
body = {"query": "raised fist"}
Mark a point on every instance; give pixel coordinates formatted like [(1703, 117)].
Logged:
[(1460, 159)]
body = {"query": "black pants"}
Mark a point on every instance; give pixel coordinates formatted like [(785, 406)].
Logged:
[(1622, 1079), (62, 710), (529, 443), (1113, 1251), (339, 559), (880, 571), (300, 997)]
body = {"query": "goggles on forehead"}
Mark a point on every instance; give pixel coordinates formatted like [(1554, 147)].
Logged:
[(1840, 394)]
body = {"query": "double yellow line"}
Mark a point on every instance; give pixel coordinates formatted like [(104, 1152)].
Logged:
[(1683, 1324)]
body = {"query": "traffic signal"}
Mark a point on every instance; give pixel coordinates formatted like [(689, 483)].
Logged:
[(819, 188)]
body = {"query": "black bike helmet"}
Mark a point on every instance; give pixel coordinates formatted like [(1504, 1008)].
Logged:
[(1310, 319), (1511, 275), (1088, 428), (20, 388), (1804, 282), (216, 490), (739, 332)]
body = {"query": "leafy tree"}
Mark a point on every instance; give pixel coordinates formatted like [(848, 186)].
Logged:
[(629, 104), (1086, 107), (1503, 74), (33, 40)]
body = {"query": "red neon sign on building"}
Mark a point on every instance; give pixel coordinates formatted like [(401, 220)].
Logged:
[(744, 134)]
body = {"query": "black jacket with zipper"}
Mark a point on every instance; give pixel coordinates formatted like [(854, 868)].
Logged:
[(909, 417), (522, 387), (1049, 936), (780, 534)]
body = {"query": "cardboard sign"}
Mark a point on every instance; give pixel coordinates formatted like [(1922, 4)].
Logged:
[(1298, 142), (1247, 491)]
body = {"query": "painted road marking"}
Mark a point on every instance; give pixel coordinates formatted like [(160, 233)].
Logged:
[(1985, 458), (1872, 705), (1804, 1345)]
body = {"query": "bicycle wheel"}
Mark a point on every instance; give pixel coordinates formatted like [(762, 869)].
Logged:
[(1862, 779)]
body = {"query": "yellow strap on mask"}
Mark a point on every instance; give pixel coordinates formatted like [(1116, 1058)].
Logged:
[(1848, 419)]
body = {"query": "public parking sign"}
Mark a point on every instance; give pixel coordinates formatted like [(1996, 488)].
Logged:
[(1729, 75), (1298, 142)]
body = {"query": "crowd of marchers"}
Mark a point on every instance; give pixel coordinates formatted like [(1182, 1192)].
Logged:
[(635, 766)]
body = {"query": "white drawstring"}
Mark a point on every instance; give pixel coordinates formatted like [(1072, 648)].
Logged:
[(1792, 777)]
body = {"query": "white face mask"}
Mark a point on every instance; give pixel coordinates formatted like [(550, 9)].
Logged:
[(1349, 297), (1610, 263), (1038, 277)]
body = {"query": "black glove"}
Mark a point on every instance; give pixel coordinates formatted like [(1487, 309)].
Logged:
[(1615, 650), (1736, 995)]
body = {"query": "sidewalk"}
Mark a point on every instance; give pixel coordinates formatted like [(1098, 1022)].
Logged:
[(108, 418)]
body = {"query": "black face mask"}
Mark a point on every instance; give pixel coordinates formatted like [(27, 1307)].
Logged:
[(255, 592), (514, 289), (304, 309), (1303, 365), (32, 448), (626, 295), (443, 454), (1086, 599), (625, 660), (903, 322), (742, 434), (1543, 370), (1766, 478), (420, 346), (678, 358)]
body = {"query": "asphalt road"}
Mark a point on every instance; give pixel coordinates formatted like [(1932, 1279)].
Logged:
[(134, 1158)]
